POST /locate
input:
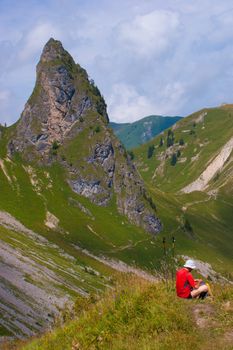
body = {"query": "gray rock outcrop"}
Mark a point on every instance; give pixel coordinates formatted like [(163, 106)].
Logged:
[(65, 120)]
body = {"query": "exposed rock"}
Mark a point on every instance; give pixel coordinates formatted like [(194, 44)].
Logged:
[(2, 166), (182, 160), (92, 190), (33, 285), (194, 158), (59, 99), (216, 164), (75, 203), (200, 118), (65, 120), (147, 134), (51, 221)]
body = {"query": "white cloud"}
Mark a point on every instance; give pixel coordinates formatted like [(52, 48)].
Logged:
[(126, 104), (4, 96), (151, 33), (147, 57), (172, 95), (36, 38)]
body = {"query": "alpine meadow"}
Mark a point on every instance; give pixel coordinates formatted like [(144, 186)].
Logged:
[(96, 217)]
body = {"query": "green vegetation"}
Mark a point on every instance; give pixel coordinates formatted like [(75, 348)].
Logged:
[(170, 138), (161, 142), (150, 151), (137, 314), (35, 93), (141, 131), (54, 148), (187, 226), (201, 222), (210, 135), (173, 159), (97, 128), (80, 233), (131, 155), (55, 145), (181, 142)]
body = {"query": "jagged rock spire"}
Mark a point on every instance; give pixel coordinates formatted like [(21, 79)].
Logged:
[(63, 95), (65, 120), (53, 50)]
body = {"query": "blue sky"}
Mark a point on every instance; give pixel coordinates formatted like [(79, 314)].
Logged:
[(169, 57)]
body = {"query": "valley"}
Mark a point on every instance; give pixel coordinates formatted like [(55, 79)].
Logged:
[(76, 208)]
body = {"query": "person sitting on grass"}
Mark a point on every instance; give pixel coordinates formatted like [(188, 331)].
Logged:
[(188, 287)]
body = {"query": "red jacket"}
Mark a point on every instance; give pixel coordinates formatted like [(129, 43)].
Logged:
[(184, 283)]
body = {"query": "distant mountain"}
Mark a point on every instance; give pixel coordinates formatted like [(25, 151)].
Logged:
[(143, 130), (117, 127)]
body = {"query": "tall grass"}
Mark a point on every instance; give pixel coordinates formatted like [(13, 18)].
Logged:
[(136, 314)]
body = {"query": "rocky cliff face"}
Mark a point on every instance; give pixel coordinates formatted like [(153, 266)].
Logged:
[(65, 120), (62, 95)]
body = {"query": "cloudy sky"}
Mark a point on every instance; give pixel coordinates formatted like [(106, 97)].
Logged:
[(169, 57)]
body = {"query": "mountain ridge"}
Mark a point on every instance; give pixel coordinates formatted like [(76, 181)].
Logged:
[(142, 130)]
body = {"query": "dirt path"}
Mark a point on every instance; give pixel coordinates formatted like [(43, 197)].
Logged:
[(214, 334), (190, 204), (119, 265)]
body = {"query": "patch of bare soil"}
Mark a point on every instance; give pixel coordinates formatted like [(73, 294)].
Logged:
[(204, 315)]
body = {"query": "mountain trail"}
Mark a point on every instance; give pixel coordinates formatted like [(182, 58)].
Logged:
[(190, 204), (130, 245), (203, 315), (119, 265), (100, 237)]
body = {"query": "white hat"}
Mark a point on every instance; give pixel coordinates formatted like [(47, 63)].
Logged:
[(190, 264)]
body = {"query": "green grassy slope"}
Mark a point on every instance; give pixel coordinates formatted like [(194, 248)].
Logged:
[(201, 221), (141, 131), (29, 193), (100, 229), (141, 315), (202, 141)]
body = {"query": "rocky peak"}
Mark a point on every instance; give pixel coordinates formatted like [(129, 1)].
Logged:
[(65, 121), (62, 97), (53, 50)]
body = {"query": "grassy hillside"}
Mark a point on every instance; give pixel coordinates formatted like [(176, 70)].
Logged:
[(66, 236), (201, 220), (198, 138), (46, 234), (141, 131), (137, 314)]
